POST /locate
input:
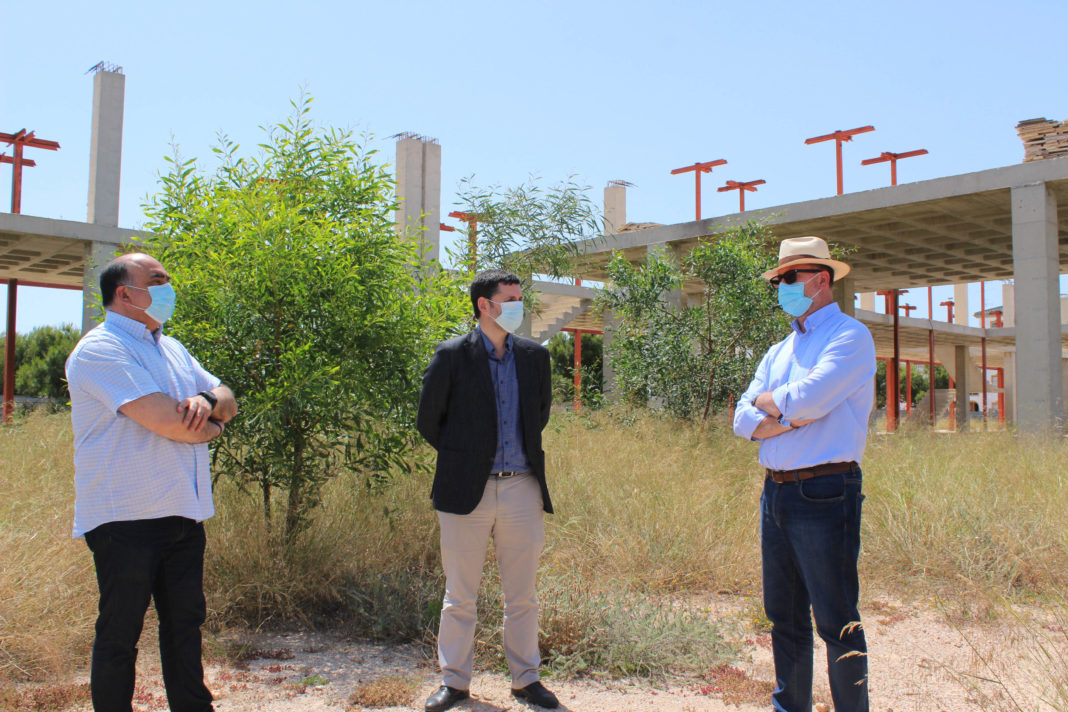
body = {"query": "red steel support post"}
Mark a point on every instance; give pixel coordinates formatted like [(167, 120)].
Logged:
[(896, 359), (698, 169), (839, 137), (982, 325), (931, 355), (9, 351), (893, 158), (741, 187)]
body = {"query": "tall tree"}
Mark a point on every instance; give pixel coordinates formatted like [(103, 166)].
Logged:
[(296, 290), (528, 229), (691, 354)]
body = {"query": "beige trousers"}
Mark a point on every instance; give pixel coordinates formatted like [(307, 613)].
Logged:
[(511, 513)]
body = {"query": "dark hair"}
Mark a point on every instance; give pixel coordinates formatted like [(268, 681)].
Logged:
[(114, 274), (488, 283)]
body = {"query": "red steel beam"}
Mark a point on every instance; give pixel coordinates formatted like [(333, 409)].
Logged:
[(698, 169), (893, 158), (839, 137), (19, 140), (741, 187)]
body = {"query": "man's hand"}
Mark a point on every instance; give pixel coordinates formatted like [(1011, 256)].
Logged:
[(195, 411), (767, 404)]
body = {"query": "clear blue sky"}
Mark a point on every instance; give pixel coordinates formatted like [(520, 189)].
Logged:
[(603, 90)]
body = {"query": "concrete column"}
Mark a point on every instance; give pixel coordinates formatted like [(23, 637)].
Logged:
[(845, 295), (867, 301), (1010, 388), (97, 255), (963, 406), (615, 207), (1008, 304), (105, 148), (1039, 379), (960, 304), (419, 192)]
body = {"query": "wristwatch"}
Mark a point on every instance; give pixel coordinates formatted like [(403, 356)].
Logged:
[(210, 397)]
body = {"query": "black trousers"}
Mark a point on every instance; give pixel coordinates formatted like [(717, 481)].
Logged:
[(162, 559)]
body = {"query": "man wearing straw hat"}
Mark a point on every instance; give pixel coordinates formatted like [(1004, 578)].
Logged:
[(808, 406)]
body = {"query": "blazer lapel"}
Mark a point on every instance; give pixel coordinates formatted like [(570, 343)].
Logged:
[(476, 350)]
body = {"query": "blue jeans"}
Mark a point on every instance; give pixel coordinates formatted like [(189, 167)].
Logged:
[(810, 541), (163, 560)]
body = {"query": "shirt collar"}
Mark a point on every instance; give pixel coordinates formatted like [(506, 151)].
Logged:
[(816, 318), (132, 327), (490, 348)]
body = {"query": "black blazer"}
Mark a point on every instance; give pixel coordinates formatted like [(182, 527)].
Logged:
[(458, 416)]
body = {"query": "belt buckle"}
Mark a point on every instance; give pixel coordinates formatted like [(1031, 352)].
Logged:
[(505, 475)]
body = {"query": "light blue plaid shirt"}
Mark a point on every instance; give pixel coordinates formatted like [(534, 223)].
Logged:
[(825, 372), (122, 470)]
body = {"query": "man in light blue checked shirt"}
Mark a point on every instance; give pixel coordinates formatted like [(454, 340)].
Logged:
[(808, 406), (143, 411)]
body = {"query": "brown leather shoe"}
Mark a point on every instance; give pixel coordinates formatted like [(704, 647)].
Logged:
[(535, 693), (445, 698)]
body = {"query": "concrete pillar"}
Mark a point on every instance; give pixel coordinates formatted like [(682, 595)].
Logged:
[(97, 255), (1039, 379), (1010, 387), (1008, 304), (615, 207), (105, 147), (960, 304), (963, 406), (419, 192), (867, 301), (845, 295)]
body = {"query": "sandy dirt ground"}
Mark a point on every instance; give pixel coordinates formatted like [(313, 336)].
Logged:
[(921, 661)]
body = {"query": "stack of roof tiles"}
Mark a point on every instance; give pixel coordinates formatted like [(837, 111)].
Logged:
[(1043, 138)]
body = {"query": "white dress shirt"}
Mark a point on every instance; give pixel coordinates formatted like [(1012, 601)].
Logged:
[(824, 372), (122, 470)]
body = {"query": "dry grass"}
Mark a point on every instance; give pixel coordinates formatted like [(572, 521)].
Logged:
[(389, 691), (649, 510), (47, 584)]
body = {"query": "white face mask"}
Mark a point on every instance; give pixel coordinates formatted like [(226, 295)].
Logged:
[(511, 316)]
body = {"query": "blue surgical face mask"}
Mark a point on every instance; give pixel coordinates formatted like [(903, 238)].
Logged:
[(792, 298), (163, 298), (511, 316)]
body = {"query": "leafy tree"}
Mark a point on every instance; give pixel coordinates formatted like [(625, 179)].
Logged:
[(528, 230), (693, 357), (562, 355), (296, 290), (40, 359)]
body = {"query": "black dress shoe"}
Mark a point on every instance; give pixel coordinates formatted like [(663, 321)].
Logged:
[(536, 693), (445, 698)]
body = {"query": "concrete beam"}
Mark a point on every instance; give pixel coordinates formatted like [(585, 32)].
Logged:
[(1039, 400), (105, 148)]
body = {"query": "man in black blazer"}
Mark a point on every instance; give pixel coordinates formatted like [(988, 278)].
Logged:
[(484, 403)]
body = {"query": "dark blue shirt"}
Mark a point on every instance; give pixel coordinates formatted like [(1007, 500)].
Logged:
[(510, 453)]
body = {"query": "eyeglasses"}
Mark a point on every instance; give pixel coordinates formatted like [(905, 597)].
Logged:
[(790, 276)]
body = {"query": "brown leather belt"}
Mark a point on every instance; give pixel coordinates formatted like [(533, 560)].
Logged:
[(807, 473)]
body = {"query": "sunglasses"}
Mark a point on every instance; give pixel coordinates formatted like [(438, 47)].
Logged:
[(790, 276)]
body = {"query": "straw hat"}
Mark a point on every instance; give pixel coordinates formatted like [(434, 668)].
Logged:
[(809, 250)]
